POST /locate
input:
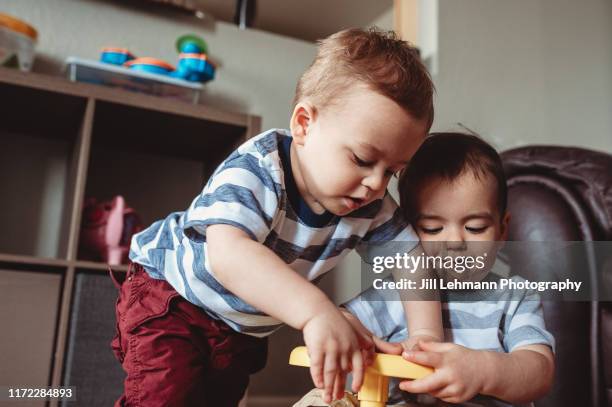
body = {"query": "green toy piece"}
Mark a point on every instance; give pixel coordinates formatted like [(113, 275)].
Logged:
[(191, 44)]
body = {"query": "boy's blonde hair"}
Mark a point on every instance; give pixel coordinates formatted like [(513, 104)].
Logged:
[(375, 58)]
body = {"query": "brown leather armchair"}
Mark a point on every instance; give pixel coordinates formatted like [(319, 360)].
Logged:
[(565, 194)]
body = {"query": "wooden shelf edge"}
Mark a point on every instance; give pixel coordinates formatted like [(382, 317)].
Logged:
[(57, 263), (95, 266), (120, 96), (38, 261)]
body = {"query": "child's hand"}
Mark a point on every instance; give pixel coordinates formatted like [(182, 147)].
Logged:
[(412, 343), (369, 342), (459, 372), (334, 350), (364, 336)]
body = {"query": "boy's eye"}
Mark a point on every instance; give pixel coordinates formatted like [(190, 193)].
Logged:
[(476, 230), (360, 162), (431, 231)]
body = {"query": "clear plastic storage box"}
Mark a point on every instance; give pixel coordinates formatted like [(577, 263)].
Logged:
[(84, 70)]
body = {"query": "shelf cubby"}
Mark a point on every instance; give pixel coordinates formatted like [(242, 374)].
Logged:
[(97, 375), (158, 161), (29, 307), (40, 131)]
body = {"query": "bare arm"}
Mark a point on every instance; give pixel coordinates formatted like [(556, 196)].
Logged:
[(423, 318), (527, 374), (257, 275), (424, 321)]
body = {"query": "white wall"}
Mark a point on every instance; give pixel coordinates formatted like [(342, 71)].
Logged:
[(385, 20), (527, 71), (257, 72)]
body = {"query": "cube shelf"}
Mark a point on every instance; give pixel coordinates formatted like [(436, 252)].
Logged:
[(61, 143)]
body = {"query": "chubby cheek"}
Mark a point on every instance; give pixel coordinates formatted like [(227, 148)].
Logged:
[(488, 249), (339, 182), (432, 244), (333, 176)]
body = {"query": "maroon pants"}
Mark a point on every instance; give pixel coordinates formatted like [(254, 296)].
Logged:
[(174, 354)]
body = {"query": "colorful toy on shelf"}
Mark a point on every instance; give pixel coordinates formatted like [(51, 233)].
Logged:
[(17, 43), (151, 65), (193, 65), (115, 56), (191, 44), (375, 388)]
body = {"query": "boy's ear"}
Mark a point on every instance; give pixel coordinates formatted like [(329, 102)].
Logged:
[(301, 120), (505, 221)]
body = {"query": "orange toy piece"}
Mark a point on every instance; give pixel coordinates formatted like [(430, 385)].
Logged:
[(375, 388)]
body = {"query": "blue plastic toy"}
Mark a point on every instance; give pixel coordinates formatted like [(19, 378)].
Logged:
[(115, 56), (193, 65), (151, 65)]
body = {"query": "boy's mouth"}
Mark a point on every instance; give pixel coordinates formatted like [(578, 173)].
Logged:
[(353, 203)]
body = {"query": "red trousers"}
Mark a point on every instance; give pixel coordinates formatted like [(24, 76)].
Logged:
[(174, 354)]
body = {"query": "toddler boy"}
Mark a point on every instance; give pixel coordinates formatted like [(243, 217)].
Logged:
[(497, 350), (208, 284)]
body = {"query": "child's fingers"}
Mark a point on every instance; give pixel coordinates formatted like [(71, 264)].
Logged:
[(316, 369), (436, 346), (367, 356), (424, 385), (339, 385), (345, 363), (365, 339), (388, 347), (432, 359), (441, 389), (329, 375), (444, 392), (357, 371), (409, 344)]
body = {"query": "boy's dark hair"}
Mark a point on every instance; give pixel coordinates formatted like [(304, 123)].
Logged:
[(375, 58), (448, 156)]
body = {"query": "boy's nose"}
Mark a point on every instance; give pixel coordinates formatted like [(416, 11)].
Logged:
[(375, 183), (458, 245), (455, 239)]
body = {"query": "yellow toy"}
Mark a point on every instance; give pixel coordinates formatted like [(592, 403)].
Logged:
[(374, 391)]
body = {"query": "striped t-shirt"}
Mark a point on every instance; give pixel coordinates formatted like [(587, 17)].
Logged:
[(500, 320), (254, 190)]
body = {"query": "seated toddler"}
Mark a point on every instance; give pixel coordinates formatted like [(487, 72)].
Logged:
[(497, 350)]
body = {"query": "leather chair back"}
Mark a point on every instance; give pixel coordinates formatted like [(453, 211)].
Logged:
[(565, 194)]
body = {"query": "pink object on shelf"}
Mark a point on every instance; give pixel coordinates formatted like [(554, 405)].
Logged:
[(106, 230)]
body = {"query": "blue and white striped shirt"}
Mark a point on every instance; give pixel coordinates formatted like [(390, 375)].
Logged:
[(254, 190), (501, 321)]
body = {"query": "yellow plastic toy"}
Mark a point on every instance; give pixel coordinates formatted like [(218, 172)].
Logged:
[(374, 391)]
